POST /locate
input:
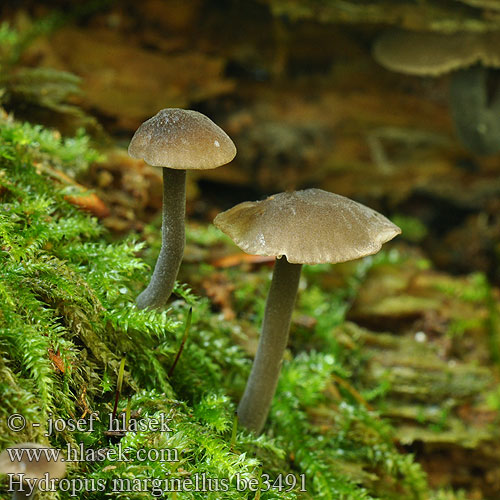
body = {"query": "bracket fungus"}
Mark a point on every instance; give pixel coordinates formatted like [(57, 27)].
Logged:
[(470, 57), (30, 463), (177, 140), (303, 227)]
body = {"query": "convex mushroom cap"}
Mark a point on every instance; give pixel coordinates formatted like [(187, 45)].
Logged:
[(32, 469), (182, 139), (177, 140), (433, 54), (307, 227)]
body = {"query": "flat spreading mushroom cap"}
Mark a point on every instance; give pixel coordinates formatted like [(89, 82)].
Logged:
[(308, 227), (32, 469), (182, 139), (431, 54)]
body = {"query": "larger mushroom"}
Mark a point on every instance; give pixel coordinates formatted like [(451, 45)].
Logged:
[(28, 463), (177, 140), (475, 111), (304, 227)]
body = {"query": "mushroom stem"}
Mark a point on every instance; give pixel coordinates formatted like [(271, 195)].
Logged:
[(23, 495), (475, 113), (173, 239), (261, 386)]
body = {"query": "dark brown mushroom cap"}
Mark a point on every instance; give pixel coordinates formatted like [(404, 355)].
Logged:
[(432, 54), (32, 469), (182, 139), (308, 227)]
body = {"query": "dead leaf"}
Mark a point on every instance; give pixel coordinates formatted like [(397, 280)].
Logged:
[(241, 258), (220, 290), (55, 357)]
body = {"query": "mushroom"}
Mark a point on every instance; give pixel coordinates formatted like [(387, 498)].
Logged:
[(468, 56), (30, 463), (303, 227), (177, 140)]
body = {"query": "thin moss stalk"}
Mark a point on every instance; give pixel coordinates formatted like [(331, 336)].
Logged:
[(173, 240), (261, 386)]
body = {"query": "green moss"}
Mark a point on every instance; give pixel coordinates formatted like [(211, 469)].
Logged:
[(42, 94), (67, 318)]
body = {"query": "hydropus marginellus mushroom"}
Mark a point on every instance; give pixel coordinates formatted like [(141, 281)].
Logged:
[(177, 140), (27, 463), (475, 109), (303, 227)]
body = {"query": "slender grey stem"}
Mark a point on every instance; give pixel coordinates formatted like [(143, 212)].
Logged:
[(261, 386), (173, 239), (23, 495), (476, 117)]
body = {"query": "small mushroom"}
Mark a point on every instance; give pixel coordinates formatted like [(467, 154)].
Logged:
[(177, 140), (468, 56), (31, 461), (304, 227)]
